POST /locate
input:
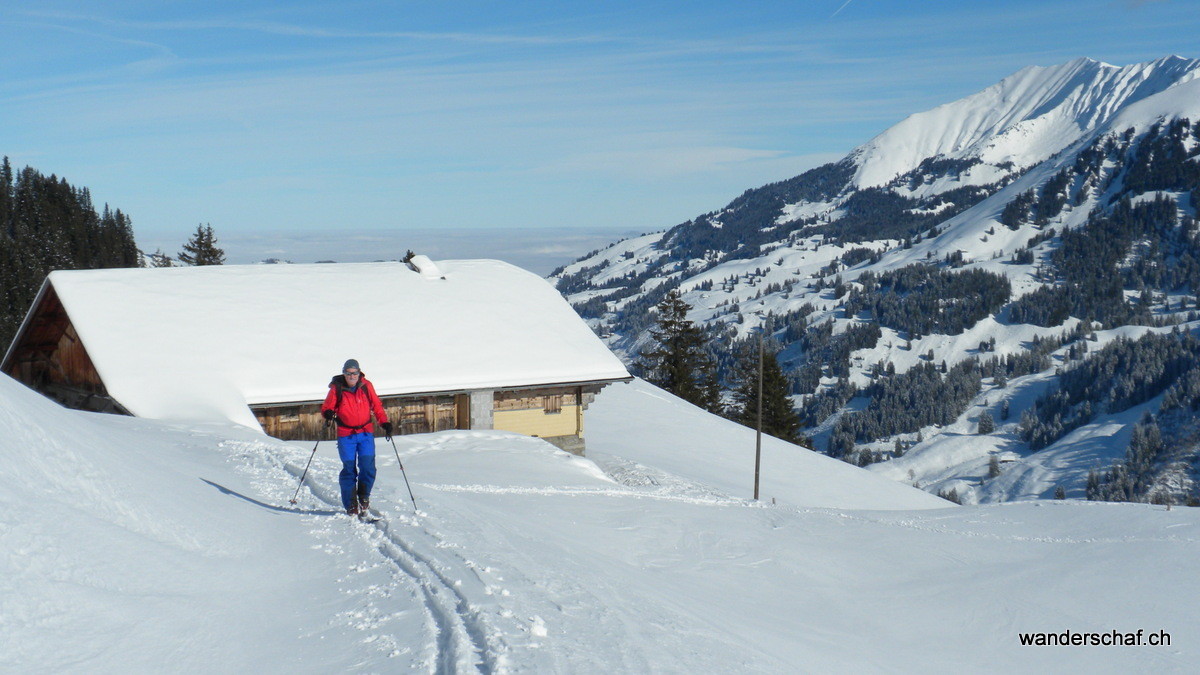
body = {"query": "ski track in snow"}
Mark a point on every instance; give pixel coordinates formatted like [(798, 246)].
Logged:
[(439, 590), (562, 598), (922, 525), (473, 623), (461, 638), (589, 492)]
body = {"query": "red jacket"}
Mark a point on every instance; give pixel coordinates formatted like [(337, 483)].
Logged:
[(354, 407)]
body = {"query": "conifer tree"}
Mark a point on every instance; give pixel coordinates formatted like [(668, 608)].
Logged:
[(45, 225), (986, 424), (202, 249), (951, 495), (779, 416), (679, 363), (710, 389), (993, 467), (160, 259)]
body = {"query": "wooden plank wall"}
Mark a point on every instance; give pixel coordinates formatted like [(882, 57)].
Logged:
[(74, 362), (549, 400), (408, 414), (51, 359)]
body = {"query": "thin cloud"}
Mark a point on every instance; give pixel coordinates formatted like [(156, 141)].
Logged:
[(663, 162), (276, 28), (161, 49), (839, 9)]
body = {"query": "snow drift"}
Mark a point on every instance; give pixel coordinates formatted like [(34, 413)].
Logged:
[(641, 423)]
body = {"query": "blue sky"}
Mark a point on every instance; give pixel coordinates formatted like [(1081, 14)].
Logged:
[(321, 119)]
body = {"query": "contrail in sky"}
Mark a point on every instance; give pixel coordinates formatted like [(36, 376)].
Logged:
[(840, 8)]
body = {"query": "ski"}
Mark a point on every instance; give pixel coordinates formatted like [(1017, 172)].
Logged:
[(369, 516), (360, 518)]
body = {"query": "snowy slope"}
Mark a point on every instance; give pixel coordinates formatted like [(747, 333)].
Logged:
[(1023, 119), (640, 423), (135, 545), (1179, 101), (956, 456)]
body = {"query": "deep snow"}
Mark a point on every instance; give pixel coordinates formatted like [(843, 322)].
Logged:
[(137, 545)]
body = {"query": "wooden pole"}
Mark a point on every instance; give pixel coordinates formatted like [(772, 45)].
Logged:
[(758, 433)]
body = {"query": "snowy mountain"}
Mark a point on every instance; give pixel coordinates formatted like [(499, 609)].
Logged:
[(967, 259), (1023, 119), (139, 545)]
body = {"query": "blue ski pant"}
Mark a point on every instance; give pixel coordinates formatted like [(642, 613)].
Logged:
[(357, 452)]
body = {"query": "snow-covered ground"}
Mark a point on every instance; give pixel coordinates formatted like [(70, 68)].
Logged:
[(145, 546)]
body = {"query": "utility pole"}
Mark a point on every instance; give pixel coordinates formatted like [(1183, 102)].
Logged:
[(758, 432)]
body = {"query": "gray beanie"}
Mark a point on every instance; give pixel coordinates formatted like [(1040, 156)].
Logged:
[(351, 363)]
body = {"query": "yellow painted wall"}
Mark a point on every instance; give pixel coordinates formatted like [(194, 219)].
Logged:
[(535, 422)]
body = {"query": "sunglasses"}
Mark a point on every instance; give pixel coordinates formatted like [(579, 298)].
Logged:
[(351, 373)]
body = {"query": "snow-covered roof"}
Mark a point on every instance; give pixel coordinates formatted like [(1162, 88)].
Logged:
[(206, 342)]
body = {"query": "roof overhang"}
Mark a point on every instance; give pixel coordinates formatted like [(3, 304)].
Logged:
[(453, 392)]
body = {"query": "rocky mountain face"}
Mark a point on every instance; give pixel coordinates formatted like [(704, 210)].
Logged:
[(994, 299)]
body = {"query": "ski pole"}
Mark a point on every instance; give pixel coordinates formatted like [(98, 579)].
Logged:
[(404, 473), (310, 459)]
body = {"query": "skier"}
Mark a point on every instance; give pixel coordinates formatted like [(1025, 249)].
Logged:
[(349, 404)]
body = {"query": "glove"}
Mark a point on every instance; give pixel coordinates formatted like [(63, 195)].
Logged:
[(328, 415), (387, 430)]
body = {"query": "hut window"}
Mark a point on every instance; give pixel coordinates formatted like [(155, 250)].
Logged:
[(553, 403)]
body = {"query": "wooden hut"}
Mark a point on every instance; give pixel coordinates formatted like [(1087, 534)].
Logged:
[(454, 345)]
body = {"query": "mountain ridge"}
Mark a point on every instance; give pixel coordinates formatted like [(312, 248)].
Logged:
[(1035, 103)]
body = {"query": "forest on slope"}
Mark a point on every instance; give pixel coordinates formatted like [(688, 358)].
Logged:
[(47, 224)]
